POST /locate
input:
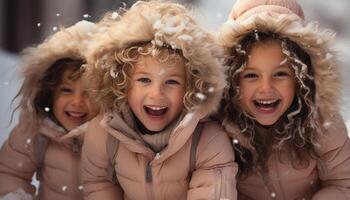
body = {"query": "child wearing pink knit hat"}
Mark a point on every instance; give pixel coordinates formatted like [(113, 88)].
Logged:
[(281, 104)]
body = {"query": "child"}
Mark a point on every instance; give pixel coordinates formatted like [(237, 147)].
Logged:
[(157, 76), (281, 106), (53, 102)]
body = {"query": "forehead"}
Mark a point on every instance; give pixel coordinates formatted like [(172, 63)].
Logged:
[(71, 75), (266, 56), (266, 51), (149, 64)]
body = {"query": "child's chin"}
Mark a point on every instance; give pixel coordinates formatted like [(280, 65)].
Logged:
[(266, 122)]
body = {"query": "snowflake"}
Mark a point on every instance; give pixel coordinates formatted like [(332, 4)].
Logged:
[(64, 188), (80, 187), (38, 24), (54, 28), (86, 16), (115, 15), (157, 156), (235, 141), (28, 141), (201, 96), (273, 195), (47, 109), (211, 89)]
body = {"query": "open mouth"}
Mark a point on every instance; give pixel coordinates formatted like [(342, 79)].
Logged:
[(76, 115), (267, 104), (155, 111)]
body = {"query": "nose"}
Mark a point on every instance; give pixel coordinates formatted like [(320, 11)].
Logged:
[(266, 84), (156, 91), (78, 99)]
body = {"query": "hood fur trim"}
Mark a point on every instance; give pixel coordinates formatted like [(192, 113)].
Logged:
[(70, 43), (169, 24)]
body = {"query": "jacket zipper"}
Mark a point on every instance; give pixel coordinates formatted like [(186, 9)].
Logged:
[(76, 145), (218, 184), (149, 180)]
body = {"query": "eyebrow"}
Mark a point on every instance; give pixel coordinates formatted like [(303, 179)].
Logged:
[(172, 74), (281, 64)]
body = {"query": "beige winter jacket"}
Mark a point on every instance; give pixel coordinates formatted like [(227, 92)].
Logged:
[(18, 162), (60, 167), (143, 174), (325, 178)]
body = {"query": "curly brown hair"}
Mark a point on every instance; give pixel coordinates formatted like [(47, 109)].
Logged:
[(297, 131)]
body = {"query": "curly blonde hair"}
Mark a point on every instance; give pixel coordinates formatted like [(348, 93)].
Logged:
[(297, 131), (165, 31)]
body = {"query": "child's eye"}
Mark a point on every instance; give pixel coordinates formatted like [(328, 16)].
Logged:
[(172, 81), (143, 80), (250, 76), (281, 74), (66, 89)]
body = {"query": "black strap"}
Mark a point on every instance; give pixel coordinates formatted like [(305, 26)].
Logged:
[(195, 140), (112, 151)]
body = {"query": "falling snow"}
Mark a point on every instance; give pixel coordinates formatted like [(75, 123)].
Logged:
[(57, 14), (86, 16), (54, 28), (38, 24), (235, 141), (115, 15), (273, 195), (188, 118), (162, 71), (64, 188), (28, 141), (211, 89), (47, 109), (201, 96), (80, 187)]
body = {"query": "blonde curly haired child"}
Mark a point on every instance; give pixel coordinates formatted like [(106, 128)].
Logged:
[(157, 76)]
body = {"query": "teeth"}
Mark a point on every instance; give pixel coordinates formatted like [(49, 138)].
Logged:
[(75, 114), (156, 107), (266, 102)]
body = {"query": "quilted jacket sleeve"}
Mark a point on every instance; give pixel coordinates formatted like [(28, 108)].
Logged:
[(334, 166), (95, 164), (17, 164), (214, 176)]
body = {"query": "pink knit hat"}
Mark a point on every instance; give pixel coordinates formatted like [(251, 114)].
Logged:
[(246, 8)]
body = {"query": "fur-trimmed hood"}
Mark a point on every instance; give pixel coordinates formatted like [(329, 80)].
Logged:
[(67, 43), (162, 24), (287, 21)]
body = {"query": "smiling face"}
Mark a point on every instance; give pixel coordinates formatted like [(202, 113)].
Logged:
[(267, 84), (156, 92), (71, 105)]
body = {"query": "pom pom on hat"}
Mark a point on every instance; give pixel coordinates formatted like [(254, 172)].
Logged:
[(243, 9)]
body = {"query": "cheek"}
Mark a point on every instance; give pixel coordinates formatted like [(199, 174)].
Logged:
[(289, 90), (177, 98), (245, 92)]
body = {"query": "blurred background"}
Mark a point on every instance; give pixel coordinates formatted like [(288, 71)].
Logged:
[(25, 23)]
